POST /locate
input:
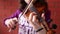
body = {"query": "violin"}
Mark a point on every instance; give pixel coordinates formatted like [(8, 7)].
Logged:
[(37, 10)]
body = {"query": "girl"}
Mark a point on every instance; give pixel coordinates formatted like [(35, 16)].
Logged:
[(28, 23)]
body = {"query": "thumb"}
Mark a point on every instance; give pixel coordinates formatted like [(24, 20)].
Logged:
[(15, 20), (43, 15)]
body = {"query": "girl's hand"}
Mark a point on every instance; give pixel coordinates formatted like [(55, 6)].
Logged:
[(32, 19), (10, 23)]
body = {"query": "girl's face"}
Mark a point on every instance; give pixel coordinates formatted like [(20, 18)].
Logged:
[(27, 1)]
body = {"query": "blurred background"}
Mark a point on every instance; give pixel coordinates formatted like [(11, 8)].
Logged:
[(8, 7)]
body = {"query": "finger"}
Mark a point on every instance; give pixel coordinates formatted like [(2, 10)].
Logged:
[(31, 15), (9, 30), (7, 22), (43, 15), (12, 24), (34, 18), (8, 26), (15, 19)]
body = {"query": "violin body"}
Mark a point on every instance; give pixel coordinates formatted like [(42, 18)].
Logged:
[(40, 9)]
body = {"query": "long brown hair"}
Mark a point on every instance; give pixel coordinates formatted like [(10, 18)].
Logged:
[(37, 3)]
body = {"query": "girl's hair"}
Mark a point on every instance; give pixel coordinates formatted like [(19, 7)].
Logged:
[(37, 3), (23, 4)]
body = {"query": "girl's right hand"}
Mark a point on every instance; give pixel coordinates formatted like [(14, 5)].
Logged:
[(10, 23)]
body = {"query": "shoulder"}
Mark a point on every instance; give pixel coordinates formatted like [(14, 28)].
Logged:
[(18, 11)]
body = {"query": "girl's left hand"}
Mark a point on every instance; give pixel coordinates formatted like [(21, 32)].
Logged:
[(32, 19)]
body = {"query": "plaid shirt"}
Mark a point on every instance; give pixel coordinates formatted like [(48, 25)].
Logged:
[(25, 27)]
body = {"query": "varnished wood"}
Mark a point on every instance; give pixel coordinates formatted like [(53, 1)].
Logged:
[(40, 9)]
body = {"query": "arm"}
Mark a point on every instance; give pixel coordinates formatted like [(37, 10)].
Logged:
[(45, 25), (36, 23), (15, 15)]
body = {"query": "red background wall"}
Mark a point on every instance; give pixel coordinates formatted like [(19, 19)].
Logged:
[(8, 7)]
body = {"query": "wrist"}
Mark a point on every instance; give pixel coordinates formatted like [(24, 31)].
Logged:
[(38, 28)]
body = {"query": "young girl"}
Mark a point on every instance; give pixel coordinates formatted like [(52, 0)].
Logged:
[(28, 23)]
